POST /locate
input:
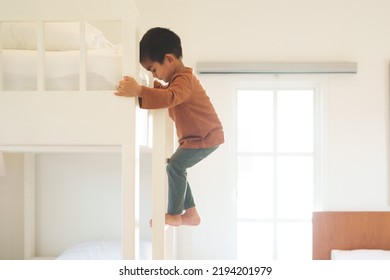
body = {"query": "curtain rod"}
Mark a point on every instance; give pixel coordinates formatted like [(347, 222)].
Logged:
[(276, 67)]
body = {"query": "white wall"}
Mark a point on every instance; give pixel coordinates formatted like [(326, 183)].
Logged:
[(357, 106), (78, 198)]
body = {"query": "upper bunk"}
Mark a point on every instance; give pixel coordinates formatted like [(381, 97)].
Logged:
[(60, 62)]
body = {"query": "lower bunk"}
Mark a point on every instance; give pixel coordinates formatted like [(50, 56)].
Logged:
[(68, 205)]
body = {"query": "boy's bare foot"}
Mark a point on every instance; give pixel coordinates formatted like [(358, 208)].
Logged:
[(190, 217), (172, 220)]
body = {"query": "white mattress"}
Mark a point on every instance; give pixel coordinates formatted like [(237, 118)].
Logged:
[(62, 69)]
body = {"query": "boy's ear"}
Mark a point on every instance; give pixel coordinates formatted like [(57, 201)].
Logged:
[(170, 58)]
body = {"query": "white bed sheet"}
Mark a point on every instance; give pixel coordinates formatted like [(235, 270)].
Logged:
[(62, 69)]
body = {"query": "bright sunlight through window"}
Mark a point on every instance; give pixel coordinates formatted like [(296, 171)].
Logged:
[(276, 156)]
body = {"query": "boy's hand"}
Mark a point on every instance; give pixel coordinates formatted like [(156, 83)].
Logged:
[(128, 87)]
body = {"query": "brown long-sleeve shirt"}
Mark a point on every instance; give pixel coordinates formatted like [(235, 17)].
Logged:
[(197, 123)]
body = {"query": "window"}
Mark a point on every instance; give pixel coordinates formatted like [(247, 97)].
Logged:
[(277, 162)]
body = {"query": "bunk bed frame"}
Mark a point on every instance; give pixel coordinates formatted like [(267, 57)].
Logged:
[(85, 121)]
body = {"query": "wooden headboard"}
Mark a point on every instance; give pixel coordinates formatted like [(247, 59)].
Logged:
[(348, 231)]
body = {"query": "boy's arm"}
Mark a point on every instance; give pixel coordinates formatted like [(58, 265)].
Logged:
[(156, 84), (178, 91)]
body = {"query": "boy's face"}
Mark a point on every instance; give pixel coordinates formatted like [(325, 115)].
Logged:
[(162, 71)]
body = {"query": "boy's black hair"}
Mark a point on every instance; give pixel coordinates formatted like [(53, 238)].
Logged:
[(157, 42)]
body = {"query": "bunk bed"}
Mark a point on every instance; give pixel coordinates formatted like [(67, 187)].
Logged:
[(58, 72)]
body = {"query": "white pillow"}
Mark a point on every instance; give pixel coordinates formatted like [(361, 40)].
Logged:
[(59, 36), (360, 254)]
